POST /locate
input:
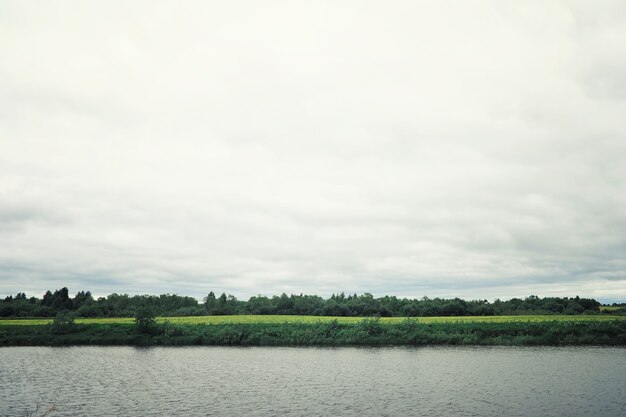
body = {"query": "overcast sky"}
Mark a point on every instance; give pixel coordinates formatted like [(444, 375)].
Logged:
[(470, 149)]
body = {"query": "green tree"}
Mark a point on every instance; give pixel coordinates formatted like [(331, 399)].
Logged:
[(210, 303), (284, 304), (144, 320), (63, 323)]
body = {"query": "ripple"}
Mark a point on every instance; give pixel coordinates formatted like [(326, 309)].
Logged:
[(200, 381)]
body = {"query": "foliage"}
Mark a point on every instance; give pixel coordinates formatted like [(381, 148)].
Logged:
[(341, 305), (277, 319), (615, 309), (145, 320), (63, 323), (366, 332)]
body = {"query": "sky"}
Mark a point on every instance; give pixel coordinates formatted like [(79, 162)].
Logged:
[(410, 148)]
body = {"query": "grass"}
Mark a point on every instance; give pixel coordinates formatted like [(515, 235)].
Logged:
[(611, 308), (363, 332), (275, 319)]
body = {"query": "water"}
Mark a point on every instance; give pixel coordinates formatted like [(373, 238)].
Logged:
[(201, 381)]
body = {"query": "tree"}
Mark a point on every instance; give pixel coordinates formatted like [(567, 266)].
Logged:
[(63, 323), (284, 304), (144, 320), (209, 302), (47, 299), (259, 305), (81, 298)]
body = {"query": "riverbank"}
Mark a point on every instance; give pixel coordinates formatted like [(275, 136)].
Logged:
[(281, 319), (366, 332)]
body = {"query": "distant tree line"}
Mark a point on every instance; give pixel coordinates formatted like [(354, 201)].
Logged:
[(83, 304)]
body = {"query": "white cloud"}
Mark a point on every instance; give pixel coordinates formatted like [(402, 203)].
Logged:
[(408, 148)]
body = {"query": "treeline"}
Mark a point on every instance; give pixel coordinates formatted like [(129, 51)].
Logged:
[(83, 304)]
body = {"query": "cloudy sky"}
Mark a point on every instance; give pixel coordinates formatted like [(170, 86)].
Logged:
[(471, 149)]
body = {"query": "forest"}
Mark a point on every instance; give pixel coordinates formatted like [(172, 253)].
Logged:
[(83, 304)]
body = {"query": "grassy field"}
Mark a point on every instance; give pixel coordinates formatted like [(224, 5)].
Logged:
[(505, 331), (251, 319), (610, 308)]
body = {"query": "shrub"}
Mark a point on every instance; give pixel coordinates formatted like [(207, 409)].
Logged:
[(144, 320), (63, 323)]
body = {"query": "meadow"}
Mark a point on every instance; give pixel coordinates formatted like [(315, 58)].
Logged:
[(278, 319), (611, 308)]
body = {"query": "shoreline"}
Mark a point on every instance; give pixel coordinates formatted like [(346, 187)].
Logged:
[(282, 319), (367, 332)]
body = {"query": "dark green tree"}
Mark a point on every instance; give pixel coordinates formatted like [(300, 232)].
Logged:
[(63, 323), (145, 321), (210, 303)]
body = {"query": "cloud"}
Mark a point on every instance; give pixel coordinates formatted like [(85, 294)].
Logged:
[(408, 148)]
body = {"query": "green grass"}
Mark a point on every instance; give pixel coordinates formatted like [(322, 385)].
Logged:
[(252, 319), (610, 308), (365, 332)]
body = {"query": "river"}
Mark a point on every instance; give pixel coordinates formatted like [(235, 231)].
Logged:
[(202, 381)]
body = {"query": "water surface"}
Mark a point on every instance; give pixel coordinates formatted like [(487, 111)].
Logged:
[(201, 381)]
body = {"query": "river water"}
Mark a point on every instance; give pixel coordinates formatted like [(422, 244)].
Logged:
[(202, 381)]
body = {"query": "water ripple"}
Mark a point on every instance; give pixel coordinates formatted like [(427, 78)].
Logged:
[(201, 381)]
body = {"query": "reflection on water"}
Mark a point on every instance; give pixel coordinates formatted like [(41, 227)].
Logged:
[(200, 381)]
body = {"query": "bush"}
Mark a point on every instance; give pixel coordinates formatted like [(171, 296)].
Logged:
[(371, 326), (145, 320), (63, 323)]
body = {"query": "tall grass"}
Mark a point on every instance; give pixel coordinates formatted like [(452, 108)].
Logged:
[(370, 332), (248, 319)]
